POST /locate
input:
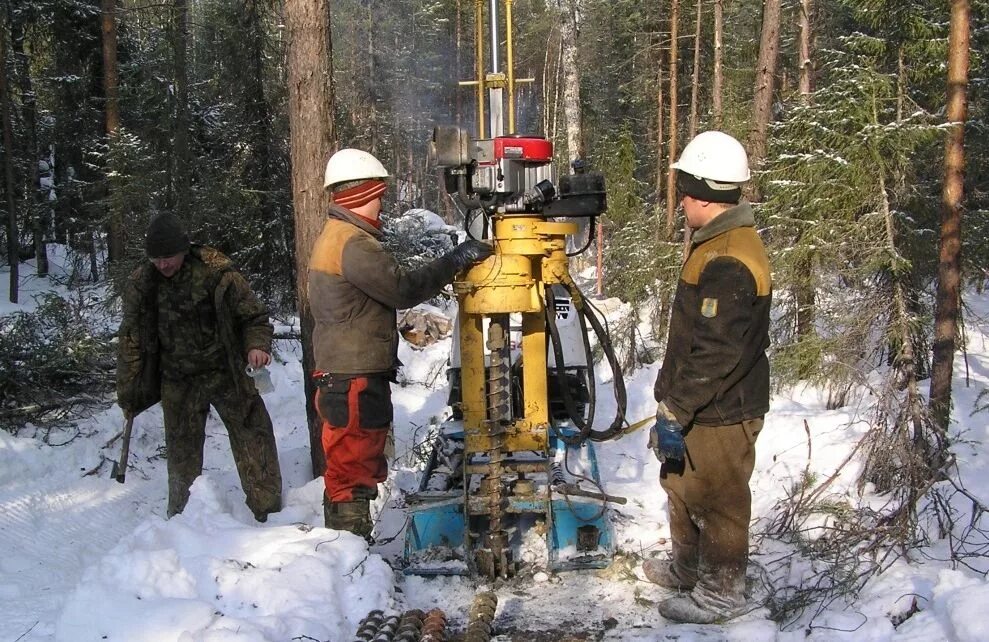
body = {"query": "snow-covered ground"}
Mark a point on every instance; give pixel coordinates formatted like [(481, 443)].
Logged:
[(83, 558)]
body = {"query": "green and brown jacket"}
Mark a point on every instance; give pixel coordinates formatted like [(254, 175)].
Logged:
[(355, 287), (716, 371), (236, 316)]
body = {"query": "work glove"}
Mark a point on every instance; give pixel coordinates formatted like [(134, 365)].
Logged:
[(666, 436), (469, 253)]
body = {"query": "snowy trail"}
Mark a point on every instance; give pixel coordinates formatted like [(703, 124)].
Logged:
[(59, 527), (85, 558)]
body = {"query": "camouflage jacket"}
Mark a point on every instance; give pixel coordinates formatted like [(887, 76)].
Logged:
[(355, 286), (241, 325)]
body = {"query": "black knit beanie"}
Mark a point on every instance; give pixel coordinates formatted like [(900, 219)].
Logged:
[(707, 190), (166, 237)]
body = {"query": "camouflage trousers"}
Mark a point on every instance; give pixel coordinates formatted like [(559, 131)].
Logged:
[(186, 404), (709, 509)]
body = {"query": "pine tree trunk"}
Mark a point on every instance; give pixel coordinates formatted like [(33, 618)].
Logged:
[(569, 32), (805, 290), (948, 298), (696, 75), (905, 358), (67, 155), (554, 129), (310, 97), (552, 52), (762, 109), (260, 171), (110, 77), (806, 41), (717, 91), (661, 168), (13, 250), (600, 259), (181, 191), (255, 104), (447, 211), (111, 114), (674, 122), (901, 83), (458, 43), (33, 206), (371, 90), (573, 117)]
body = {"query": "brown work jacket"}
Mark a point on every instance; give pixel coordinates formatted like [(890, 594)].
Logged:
[(715, 371), (355, 287)]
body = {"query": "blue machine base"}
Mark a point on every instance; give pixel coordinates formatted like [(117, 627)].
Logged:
[(568, 518), (434, 538)]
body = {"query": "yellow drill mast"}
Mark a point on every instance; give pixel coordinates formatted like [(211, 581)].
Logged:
[(508, 425)]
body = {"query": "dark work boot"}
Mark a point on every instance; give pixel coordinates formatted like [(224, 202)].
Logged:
[(353, 516)]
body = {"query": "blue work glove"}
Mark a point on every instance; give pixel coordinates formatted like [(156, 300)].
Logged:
[(666, 437)]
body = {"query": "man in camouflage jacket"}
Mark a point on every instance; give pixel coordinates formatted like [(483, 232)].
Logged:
[(191, 326)]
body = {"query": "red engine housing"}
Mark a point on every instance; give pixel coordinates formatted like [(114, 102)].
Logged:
[(510, 165), (532, 149)]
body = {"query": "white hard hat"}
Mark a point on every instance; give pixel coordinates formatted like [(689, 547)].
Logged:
[(715, 156), (352, 165)]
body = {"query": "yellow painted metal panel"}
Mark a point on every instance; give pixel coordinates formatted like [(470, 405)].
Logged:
[(472, 370)]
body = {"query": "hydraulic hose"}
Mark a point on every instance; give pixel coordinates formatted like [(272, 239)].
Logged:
[(582, 424), (590, 238), (616, 427), (585, 315), (589, 369)]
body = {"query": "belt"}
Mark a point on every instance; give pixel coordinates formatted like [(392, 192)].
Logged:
[(321, 378)]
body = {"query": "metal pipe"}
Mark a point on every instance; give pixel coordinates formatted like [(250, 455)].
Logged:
[(495, 105), (510, 66), (494, 35), (479, 63)]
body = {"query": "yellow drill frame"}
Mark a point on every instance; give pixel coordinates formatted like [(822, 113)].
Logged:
[(530, 255)]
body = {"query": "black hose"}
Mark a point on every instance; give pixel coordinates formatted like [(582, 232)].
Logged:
[(584, 426), (590, 238), (589, 369), (585, 315), (604, 340)]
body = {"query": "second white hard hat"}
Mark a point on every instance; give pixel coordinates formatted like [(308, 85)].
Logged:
[(352, 165), (715, 156)]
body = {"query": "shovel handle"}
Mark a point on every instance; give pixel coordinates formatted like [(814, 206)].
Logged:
[(120, 468)]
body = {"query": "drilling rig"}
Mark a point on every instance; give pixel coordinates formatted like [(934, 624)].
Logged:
[(513, 474)]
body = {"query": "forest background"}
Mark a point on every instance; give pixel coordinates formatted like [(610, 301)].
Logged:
[(114, 110)]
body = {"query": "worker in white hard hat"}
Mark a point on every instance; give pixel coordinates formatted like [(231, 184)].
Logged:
[(713, 388), (355, 287)]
